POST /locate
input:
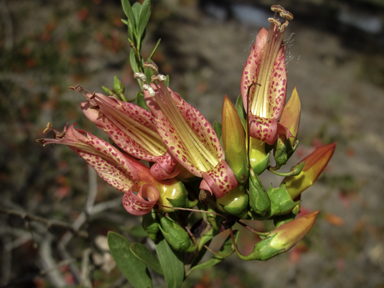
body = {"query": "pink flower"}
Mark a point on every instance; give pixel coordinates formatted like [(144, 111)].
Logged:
[(264, 81), (190, 138), (119, 170)]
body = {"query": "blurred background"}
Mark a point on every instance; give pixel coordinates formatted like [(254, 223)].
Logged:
[(335, 59)]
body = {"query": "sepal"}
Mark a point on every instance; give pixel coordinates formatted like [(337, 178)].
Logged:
[(176, 235), (151, 225), (258, 197)]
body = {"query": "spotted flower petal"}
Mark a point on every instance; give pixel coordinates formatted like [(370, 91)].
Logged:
[(131, 128), (264, 82), (112, 165), (190, 138)]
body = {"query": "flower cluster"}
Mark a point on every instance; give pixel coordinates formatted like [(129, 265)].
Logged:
[(195, 167)]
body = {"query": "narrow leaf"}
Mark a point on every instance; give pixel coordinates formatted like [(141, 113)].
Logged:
[(136, 11), (135, 271), (147, 257), (172, 264), (225, 251), (154, 49), (145, 13), (127, 8)]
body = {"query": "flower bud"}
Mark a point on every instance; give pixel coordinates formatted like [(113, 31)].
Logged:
[(290, 117), (118, 87), (233, 136), (174, 195), (282, 238), (235, 202), (314, 165), (175, 235), (108, 91), (287, 235), (258, 197)]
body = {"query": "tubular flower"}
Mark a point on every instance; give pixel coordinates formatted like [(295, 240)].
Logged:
[(120, 171), (131, 128), (190, 138), (264, 81)]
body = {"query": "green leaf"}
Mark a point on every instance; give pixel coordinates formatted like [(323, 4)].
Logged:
[(149, 72), (136, 11), (135, 271), (132, 59), (124, 21), (145, 13), (127, 8), (147, 257), (225, 251), (154, 49), (138, 231), (172, 263)]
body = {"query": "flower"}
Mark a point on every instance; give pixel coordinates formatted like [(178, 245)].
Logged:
[(119, 170), (264, 81), (190, 138), (131, 128)]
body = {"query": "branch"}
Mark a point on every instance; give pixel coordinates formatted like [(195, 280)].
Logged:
[(47, 222)]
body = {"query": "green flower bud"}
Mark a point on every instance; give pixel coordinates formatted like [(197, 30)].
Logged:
[(118, 87), (108, 91), (175, 235), (258, 197), (235, 202)]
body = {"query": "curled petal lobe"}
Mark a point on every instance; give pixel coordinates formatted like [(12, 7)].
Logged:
[(143, 202), (160, 174), (220, 180)]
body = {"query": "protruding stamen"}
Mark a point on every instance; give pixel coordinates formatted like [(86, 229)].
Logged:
[(76, 88), (277, 8), (159, 77), (286, 14), (141, 76), (49, 128), (275, 21), (41, 141), (152, 66), (283, 26), (149, 89)]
